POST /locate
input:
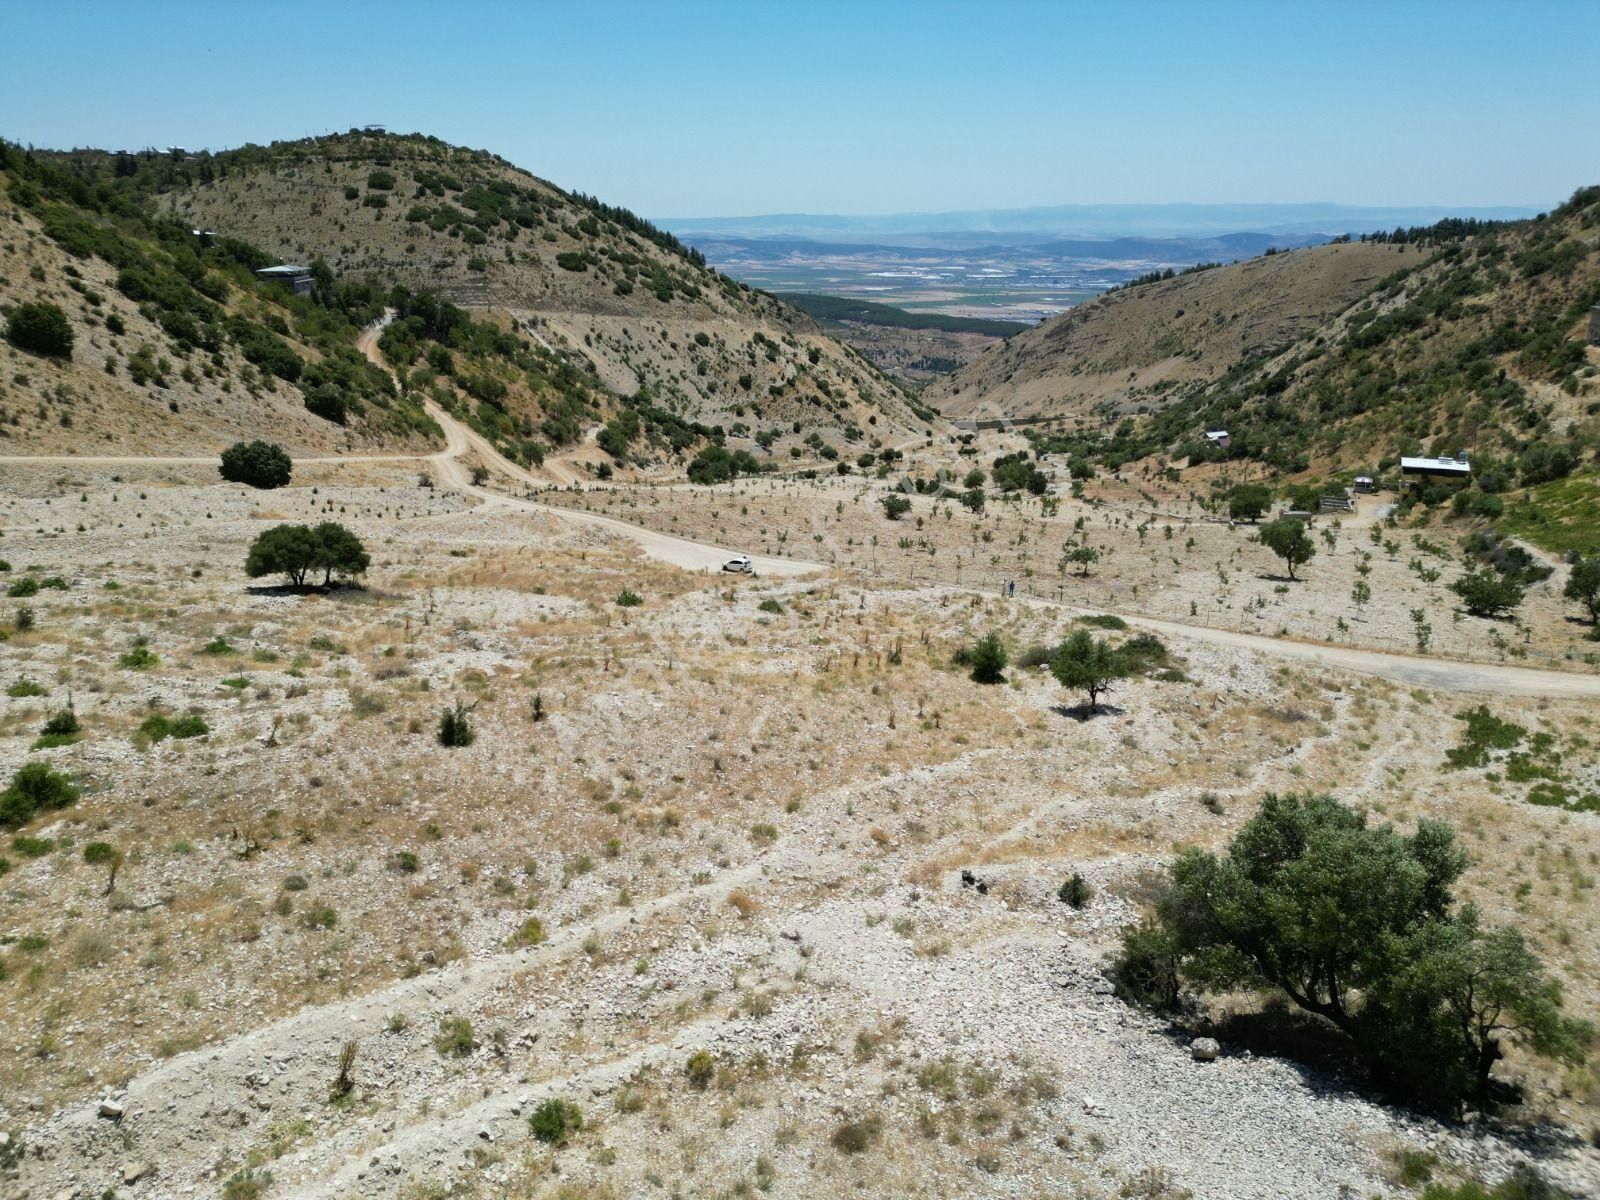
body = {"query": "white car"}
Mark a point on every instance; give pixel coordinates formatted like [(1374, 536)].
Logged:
[(741, 564)]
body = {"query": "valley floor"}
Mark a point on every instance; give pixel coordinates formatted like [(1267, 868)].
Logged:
[(708, 822)]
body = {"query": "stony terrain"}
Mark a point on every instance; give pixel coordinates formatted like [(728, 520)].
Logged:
[(739, 827)]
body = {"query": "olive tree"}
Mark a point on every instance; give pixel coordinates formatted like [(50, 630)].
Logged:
[(1357, 925), (1287, 538), (296, 551), (1583, 586), (1087, 663)]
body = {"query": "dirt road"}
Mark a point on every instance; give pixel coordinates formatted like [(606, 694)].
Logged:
[(450, 471)]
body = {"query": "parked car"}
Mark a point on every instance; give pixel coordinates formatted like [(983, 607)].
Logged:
[(741, 564)]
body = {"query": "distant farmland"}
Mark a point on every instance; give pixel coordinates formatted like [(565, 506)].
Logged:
[(867, 312)]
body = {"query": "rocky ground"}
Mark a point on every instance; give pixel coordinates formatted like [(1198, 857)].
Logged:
[(733, 819)]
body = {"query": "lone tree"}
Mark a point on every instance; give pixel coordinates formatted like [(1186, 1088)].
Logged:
[(1487, 593), (41, 328), (1288, 539), (988, 658), (1088, 663), (1084, 557), (104, 854), (1583, 586), (1248, 501), (1356, 925), (258, 464), (895, 506), (297, 550)]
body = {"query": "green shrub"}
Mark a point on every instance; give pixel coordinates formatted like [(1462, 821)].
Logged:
[(529, 933), (1487, 593), (1103, 621), (455, 727), (1075, 892), (219, 647), (628, 599), (895, 506), (35, 788), (139, 657), (23, 588), (158, 727), (554, 1121), (257, 464), (988, 659), (381, 181), (455, 1038), (769, 605), (25, 687), (40, 328), (248, 1184), (701, 1069), (855, 1137), (32, 847)]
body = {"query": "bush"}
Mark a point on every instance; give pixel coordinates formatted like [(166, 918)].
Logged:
[(257, 464), (158, 727), (1421, 990), (854, 1137), (1075, 892), (25, 687), (769, 605), (529, 933), (455, 727), (628, 599), (139, 656), (41, 328), (895, 506), (328, 403), (1487, 593), (23, 588), (988, 659), (35, 788), (554, 1121), (455, 1038), (701, 1069)]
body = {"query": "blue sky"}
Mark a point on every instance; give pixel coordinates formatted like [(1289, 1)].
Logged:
[(691, 109)]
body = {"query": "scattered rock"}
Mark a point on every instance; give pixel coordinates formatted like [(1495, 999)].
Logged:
[(134, 1172), (1204, 1049), (111, 1110)]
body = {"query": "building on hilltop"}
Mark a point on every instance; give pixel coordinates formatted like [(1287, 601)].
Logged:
[(297, 278), (1594, 325)]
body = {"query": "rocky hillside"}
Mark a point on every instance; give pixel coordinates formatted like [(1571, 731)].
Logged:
[(164, 344), (1457, 336), (1135, 347), (577, 275)]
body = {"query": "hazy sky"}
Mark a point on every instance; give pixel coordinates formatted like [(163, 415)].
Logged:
[(690, 109)]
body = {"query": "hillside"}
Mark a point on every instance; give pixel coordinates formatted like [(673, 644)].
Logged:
[(1132, 348), (174, 349), (579, 276)]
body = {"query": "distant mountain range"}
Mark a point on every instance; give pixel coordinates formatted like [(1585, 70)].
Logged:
[(1025, 226)]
